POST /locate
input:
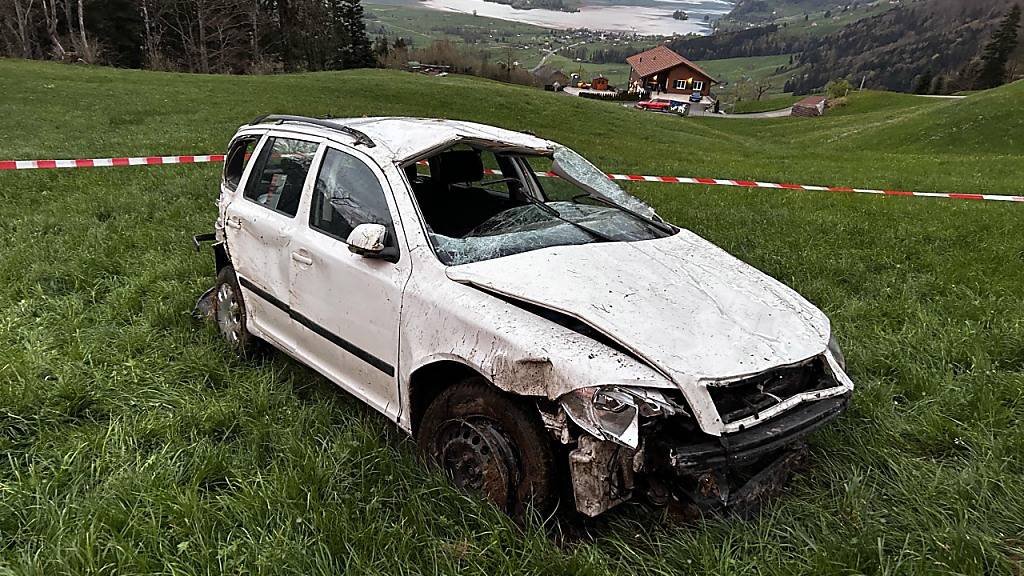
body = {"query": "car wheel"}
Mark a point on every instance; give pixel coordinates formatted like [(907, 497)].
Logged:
[(229, 313), (491, 443)]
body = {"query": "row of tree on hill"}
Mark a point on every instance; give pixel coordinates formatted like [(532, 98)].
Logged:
[(607, 55), (458, 58), (224, 36), (932, 46)]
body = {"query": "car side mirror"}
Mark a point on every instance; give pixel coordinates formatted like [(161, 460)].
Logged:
[(367, 239)]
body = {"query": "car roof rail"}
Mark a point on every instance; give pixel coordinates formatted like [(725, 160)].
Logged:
[(361, 137)]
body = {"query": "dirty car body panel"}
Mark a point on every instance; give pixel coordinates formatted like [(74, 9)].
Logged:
[(659, 363)]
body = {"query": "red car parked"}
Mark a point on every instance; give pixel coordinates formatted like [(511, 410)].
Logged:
[(662, 106)]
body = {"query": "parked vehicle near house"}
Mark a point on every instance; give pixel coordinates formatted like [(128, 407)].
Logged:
[(655, 105), (667, 106), (518, 326)]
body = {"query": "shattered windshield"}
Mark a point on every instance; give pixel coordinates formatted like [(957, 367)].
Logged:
[(530, 227), (480, 204)]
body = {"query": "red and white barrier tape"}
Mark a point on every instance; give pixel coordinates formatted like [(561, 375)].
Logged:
[(158, 160), (102, 162), (754, 184)]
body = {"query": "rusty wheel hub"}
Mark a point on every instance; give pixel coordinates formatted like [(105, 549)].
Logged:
[(479, 457)]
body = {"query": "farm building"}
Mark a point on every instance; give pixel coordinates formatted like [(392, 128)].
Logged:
[(810, 106), (660, 70), (550, 75)]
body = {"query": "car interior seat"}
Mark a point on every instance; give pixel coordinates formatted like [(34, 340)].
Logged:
[(450, 202), (295, 173)]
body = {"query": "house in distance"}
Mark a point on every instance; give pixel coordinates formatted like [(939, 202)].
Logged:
[(660, 71)]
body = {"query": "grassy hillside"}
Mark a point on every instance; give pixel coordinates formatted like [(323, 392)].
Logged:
[(802, 17), (766, 104), (736, 75), (422, 26), (136, 443), (734, 68)]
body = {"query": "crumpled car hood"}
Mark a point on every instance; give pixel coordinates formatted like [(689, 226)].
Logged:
[(681, 303)]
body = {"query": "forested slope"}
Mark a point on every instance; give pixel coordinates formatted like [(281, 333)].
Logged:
[(890, 50)]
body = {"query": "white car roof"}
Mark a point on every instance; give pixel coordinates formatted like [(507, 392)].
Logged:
[(399, 139)]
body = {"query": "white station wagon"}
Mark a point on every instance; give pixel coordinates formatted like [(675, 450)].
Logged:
[(544, 336)]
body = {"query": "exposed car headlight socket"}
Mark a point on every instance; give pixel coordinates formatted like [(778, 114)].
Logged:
[(613, 412)]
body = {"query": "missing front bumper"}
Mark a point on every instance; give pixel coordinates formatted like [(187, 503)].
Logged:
[(734, 473)]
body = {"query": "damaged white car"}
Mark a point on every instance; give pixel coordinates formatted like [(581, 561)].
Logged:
[(544, 336)]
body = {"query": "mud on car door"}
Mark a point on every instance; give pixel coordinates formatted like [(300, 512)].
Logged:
[(259, 227), (347, 304)]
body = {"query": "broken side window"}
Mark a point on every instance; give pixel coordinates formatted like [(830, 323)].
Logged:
[(279, 174), (553, 188), (347, 194), (237, 158)]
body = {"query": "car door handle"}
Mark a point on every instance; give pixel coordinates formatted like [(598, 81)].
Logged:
[(234, 223), (302, 259)]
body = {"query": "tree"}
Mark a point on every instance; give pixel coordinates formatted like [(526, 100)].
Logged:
[(50, 16), (351, 44), (761, 87), (837, 89), (998, 50), (923, 83), (381, 49), (88, 53), (21, 12)]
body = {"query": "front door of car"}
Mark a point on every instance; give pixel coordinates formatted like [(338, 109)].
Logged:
[(260, 224), (349, 304)]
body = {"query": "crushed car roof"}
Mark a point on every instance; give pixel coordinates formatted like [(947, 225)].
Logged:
[(399, 138)]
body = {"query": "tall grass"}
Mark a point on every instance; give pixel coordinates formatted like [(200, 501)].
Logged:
[(134, 442)]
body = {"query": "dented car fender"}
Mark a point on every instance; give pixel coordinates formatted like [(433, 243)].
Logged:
[(516, 350)]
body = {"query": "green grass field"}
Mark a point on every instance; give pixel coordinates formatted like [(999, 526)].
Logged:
[(733, 69), (136, 443), (616, 73)]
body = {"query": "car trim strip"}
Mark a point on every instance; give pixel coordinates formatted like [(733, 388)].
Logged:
[(263, 294), (318, 329)]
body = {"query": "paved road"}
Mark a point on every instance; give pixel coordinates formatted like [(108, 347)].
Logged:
[(551, 53), (754, 115)]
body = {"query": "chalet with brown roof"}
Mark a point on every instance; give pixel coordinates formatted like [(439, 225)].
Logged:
[(662, 70)]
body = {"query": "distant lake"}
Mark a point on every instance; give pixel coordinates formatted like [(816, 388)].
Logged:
[(646, 17)]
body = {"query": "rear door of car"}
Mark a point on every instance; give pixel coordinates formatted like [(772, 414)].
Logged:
[(260, 222), (347, 306)]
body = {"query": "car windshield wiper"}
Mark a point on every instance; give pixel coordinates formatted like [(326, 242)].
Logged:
[(663, 226), (558, 215)]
